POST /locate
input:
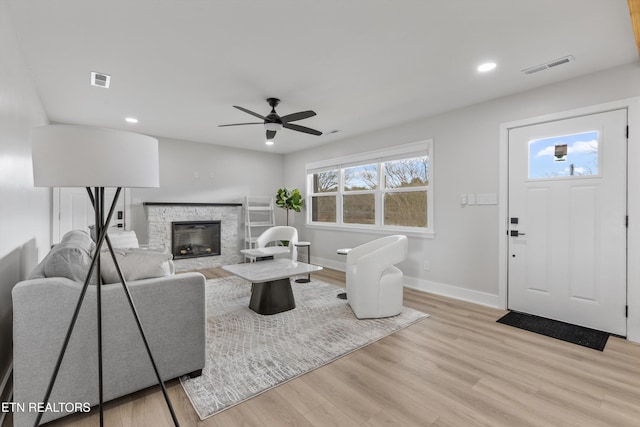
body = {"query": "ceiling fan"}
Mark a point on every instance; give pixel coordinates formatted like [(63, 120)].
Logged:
[(273, 122)]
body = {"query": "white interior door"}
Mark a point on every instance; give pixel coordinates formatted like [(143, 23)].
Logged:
[(567, 220), (73, 210)]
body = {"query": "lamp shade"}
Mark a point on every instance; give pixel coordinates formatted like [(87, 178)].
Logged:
[(82, 156)]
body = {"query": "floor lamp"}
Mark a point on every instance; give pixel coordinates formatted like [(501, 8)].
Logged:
[(95, 158)]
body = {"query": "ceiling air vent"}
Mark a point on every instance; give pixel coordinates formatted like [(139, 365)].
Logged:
[(550, 64), (100, 79)]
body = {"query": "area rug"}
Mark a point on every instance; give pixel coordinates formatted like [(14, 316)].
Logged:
[(574, 334), (248, 353)]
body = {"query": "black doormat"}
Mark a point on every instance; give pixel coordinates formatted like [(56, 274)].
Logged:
[(555, 329)]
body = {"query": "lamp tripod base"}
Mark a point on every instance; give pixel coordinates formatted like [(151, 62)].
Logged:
[(97, 199)]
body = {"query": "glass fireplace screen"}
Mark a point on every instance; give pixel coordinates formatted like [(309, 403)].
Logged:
[(191, 239)]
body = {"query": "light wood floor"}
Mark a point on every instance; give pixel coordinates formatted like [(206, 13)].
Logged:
[(456, 368)]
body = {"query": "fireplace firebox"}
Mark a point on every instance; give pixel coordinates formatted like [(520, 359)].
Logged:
[(192, 239)]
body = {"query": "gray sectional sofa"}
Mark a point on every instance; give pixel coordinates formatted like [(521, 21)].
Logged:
[(171, 309)]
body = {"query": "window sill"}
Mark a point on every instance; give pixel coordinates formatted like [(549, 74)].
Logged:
[(373, 230)]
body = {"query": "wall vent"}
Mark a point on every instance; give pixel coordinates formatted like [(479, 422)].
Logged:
[(550, 64), (100, 79)]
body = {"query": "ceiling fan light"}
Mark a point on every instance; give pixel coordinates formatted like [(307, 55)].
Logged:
[(273, 126)]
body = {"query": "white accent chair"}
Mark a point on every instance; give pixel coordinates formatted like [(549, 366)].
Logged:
[(278, 233), (374, 285)]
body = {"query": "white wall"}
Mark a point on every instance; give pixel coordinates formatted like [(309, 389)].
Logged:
[(206, 173), (464, 253), (24, 210)]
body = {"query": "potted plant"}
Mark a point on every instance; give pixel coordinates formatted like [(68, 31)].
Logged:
[(289, 200)]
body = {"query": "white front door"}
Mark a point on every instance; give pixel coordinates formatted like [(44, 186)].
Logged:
[(73, 210), (567, 220)]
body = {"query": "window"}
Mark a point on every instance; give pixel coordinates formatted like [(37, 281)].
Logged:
[(323, 201), (564, 156), (405, 192), (359, 191), (385, 190)]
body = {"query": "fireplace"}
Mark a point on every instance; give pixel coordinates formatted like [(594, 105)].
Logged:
[(193, 239)]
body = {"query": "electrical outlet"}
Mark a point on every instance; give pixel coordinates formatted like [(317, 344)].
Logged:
[(426, 266)]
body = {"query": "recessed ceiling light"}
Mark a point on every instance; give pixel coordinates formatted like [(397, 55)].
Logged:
[(269, 142), (131, 120), (487, 66)]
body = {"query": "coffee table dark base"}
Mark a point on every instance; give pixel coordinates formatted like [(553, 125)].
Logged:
[(272, 297)]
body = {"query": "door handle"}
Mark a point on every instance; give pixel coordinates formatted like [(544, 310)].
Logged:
[(516, 233)]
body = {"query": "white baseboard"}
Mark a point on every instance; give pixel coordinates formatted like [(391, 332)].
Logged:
[(336, 265), (443, 289), (469, 295)]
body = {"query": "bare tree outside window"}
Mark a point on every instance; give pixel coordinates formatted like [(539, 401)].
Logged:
[(325, 182), (407, 173), (361, 178), (359, 200), (406, 208), (323, 207)]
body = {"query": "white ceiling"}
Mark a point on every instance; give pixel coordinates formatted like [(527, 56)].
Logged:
[(179, 66)]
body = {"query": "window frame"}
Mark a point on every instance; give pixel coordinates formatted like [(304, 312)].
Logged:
[(377, 157)]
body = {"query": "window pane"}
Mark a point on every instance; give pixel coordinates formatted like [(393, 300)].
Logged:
[(323, 208), (325, 182), (406, 208), (361, 178), (359, 209), (564, 156), (407, 173)]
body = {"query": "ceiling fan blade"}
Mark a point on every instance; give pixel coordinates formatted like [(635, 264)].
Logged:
[(298, 116), (271, 134), (301, 129), (241, 124), (249, 112)]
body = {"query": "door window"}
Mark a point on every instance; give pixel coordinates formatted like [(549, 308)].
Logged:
[(566, 156)]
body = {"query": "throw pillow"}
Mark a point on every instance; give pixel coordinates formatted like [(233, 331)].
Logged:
[(136, 264), (119, 237), (71, 258)]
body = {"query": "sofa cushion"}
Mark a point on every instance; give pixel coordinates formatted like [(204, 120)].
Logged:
[(71, 258), (136, 264)]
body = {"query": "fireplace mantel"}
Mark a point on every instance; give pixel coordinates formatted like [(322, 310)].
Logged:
[(189, 204)]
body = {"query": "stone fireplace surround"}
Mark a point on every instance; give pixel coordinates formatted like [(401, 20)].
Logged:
[(160, 215)]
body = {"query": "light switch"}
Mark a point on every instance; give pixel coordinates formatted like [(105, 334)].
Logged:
[(487, 199)]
